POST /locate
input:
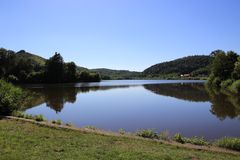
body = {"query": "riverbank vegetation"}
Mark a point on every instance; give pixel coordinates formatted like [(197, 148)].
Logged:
[(25, 140), (12, 98), (23, 67), (225, 142), (225, 71)]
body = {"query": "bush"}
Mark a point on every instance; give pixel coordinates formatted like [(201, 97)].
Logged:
[(18, 114), (59, 122), (210, 79), (147, 133), (39, 118), (235, 87), (11, 98), (12, 78), (69, 124), (121, 131), (178, 138), (216, 82), (225, 84), (28, 116), (164, 135), (196, 141), (230, 143), (91, 127)]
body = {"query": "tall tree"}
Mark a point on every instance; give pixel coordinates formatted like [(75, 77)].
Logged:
[(55, 69)]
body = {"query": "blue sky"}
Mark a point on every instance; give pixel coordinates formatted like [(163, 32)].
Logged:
[(120, 34)]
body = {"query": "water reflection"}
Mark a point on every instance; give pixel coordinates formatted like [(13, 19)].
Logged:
[(186, 91), (56, 97), (223, 104), (188, 108)]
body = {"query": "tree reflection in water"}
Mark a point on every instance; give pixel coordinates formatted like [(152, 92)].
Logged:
[(223, 104)]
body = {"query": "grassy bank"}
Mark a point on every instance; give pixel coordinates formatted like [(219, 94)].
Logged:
[(24, 140)]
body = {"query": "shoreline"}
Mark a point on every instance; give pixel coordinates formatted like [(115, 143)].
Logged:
[(126, 135)]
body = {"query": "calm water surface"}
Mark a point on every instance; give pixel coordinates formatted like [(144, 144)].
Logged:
[(177, 106)]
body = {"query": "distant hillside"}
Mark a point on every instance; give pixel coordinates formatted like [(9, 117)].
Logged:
[(117, 74), (40, 60), (195, 65), (26, 55)]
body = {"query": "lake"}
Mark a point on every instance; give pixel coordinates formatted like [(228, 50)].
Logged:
[(179, 106)]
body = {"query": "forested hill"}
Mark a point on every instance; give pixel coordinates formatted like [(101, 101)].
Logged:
[(22, 54), (196, 65), (117, 74), (24, 67)]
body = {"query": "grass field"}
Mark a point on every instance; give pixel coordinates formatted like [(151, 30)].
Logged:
[(25, 140)]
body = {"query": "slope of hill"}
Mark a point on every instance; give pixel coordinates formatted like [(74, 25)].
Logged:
[(26, 55), (117, 74), (195, 65)]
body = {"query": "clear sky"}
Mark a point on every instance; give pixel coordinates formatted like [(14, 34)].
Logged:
[(120, 34)]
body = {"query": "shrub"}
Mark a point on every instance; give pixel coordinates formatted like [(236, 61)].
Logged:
[(178, 138), (59, 122), (18, 114), (11, 98), (39, 118), (235, 87), (226, 83), (68, 124), (121, 131), (210, 79), (164, 135), (216, 82), (147, 133), (53, 121), (12, 78), (196, 141), (91, 127), (230, 143), (28, 116)]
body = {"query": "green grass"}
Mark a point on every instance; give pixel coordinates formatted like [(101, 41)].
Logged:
[(229, 142), (24, 140)]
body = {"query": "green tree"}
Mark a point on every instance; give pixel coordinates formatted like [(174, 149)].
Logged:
[(219, 65), (236, 72), (55, 69), (70, 72)]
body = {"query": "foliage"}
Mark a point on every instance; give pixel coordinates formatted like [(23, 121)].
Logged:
[(187, 65), (164, 135), (225, 71), (23, 67), (55, 69), (11, 98), (121, 131), (230, 143), (223, 64), (39, 118), (225, 84), (85, 76), (196, 141), (147, 133), (91, 127), (59, 122), (236, 72), (235, 87), (107, 74), (178, 138)]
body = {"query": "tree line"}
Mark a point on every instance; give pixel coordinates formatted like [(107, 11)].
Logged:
[(21, 69), (225, 71), (195, 65)]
